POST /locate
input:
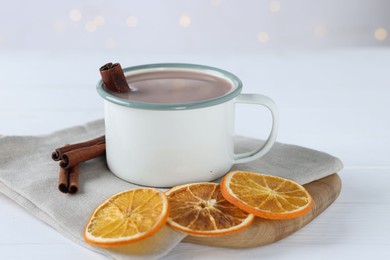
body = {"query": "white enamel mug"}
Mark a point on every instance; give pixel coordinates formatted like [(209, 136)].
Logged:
[(164, 145)]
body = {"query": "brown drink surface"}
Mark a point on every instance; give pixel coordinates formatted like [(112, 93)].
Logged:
[(174, 87)]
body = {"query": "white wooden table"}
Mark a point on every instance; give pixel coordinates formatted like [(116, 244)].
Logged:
[(333, 100)]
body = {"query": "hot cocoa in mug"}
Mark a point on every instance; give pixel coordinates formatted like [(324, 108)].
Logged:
[(176, 125)]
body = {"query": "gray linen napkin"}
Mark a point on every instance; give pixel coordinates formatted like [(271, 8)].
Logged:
[(29, 177)]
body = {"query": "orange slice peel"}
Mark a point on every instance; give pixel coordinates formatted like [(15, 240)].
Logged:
[(127, 217), (199, 209), (266, 196)]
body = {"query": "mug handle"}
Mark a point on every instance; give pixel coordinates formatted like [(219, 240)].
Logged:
[(258, 99)]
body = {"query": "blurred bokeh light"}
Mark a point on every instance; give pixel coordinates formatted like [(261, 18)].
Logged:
[(177, 25)]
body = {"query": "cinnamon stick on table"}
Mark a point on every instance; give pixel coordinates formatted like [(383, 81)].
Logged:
[(68, 180), (71, 156), (74, 157), (113, 78), (56, 155), (63, 180), (73, 179)]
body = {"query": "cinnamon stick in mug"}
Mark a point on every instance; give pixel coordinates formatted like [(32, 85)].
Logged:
[(113, 78), (56, 155), (74, 157)]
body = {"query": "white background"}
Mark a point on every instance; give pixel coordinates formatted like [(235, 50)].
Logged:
[(325, 63)]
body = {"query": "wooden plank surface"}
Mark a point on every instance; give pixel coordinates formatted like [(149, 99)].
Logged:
[(263, 231)]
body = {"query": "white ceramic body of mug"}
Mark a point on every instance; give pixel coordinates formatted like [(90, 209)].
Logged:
[(163, 145)]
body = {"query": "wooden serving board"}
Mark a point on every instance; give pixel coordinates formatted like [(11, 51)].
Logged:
[(263, 231)]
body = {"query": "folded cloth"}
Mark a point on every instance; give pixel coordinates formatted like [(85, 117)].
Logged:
[(29, 177)]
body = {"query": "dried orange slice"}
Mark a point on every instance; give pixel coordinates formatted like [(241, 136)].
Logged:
[(127, 217), (200, 209), (265, 195)]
